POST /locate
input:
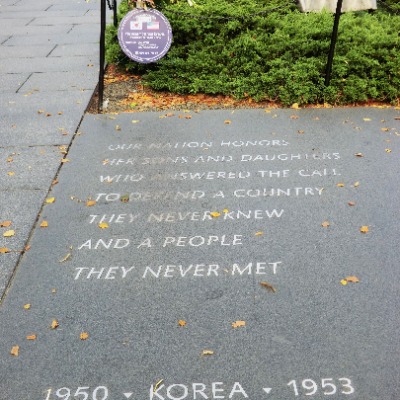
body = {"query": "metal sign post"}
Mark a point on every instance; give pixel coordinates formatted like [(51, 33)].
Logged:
[(333, 43)]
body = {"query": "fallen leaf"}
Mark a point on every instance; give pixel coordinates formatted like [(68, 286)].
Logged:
[(343, 282), (238, 324), (9, 233), (157, 385), (259, 233), (4, 250), (31, 337), (188, 117), (124, 198), (340, 185), (388, 150), (90, 203), (300, 131), (5, 224), (27, 247), (356, 184), (294, 117), (135, 121), (352, 279), (225, 210), (227, 121), (359, 155), (364, 229), (50, 200), (385, 129), (181, 322), (44, 224), (14, 351), (55, 181), (267, 111), (83, 336), (117, 128), (11, 173), (65, 160), (295, 106), (215, 214), (351, 203), (48, 115), (27, 306), (268, 286), (103, 225), (325, 224), (54, 324), (207, 353), (53, 290), (367, 119), (67, 257), (10, 159)]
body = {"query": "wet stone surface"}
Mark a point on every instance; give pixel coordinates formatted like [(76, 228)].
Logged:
[(217, 258)]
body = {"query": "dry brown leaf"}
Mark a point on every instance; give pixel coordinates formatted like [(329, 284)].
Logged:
[(27, 306), (364, 229), (385, 129), (359, 155), (207, 352), (31, 337), (54, 324), (181, 322), (44, 224), (10, 159), (300, 131), (352, 279), (83, 336), (238, 324), (14, 351), (268, 286), (351, 203), (325, 224), (9, 233), (27, 247), (5, 224), (90, 203)]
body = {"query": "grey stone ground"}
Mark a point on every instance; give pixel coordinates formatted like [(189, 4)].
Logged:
[(289, 190), (48, 72)]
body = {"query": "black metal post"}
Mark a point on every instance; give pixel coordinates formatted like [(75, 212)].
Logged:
[(102, 53), (115, 13), (333, 43)]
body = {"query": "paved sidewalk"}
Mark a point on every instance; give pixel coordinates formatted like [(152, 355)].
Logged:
[(48, 72)]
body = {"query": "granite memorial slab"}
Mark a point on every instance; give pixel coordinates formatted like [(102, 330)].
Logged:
[(246, 254)]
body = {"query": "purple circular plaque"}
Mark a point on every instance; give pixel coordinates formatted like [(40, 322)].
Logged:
[(145, 36)]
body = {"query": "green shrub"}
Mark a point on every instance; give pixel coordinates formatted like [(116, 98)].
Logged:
[(280, 55)]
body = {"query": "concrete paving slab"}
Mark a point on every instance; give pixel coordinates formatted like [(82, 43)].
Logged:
[(41, 118), (29, 168), (243, 217), (9, 24), (61, 81), (92, 5), (90, 37), (30, 30), (71, 64), (63, 20), (16, 13), (8, 52), (65, 50), (12, 82), (21, 207)]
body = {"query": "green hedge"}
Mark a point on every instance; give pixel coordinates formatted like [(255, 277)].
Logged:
[(280, 55)]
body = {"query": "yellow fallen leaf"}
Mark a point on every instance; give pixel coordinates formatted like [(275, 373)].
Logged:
[(181, 322), (31, 337), (14, 351), (385, 129), (300, 131), (83, 336), (5, 224), (135, 121), (90, 203), (295, 106), (225, 210), (367, 119), (53, 290), (325, 224), (207, 353), (4, 250), (259, 233), (50, 200), (340, 185), (65, 160), (44, 224), (215, 214), (343, 282), (267, 111), (117, 128), (54, 324), (388, 150), (227, 121), (124, 198), (268, 286), (364, 229), (9, 233), (238, 324), (65, 258), (27, 306), (356, 184), (10, 173), (158, 383), (103, 225)]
